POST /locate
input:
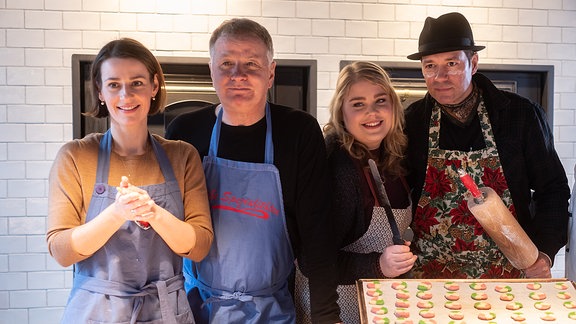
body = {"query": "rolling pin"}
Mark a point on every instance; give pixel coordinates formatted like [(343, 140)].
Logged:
[(488, 208)]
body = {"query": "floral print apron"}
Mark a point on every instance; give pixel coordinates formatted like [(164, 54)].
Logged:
[(449, 241)]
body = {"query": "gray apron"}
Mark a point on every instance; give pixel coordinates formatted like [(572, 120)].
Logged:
[(376, 239), (135, 277), (244, 278), (378, 236)]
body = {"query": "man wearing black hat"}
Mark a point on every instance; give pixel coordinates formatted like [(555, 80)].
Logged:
[(501, 139)]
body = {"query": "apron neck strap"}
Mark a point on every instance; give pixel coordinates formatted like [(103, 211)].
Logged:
[(214, 139), (105, 148), (434, 126), (104, 158)]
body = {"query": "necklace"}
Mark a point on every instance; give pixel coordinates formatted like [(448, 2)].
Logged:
[(133, 166)]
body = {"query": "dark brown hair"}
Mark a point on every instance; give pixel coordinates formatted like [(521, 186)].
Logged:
[(125, 48)]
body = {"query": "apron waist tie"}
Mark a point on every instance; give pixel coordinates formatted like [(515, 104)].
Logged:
[(161, 288), (219, 295)]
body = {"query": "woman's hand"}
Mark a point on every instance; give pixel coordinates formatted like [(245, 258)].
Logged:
[(133, 203), (397, 260)]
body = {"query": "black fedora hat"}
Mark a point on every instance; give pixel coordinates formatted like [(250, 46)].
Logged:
[(449, 32)]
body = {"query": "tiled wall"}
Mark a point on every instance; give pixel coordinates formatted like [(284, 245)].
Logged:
[(38, 37)]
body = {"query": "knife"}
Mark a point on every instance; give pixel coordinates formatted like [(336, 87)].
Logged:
[(384, 202)]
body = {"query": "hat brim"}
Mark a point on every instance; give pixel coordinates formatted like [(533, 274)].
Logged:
[(419, 55)]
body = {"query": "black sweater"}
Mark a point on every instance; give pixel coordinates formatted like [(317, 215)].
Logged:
[(352, 206), (533, 171), (300, 156)]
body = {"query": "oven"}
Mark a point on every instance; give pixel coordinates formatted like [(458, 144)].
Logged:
[(189, 87), (535, 82)]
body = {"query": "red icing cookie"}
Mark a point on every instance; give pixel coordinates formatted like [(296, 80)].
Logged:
[(486, 316), (502, 289), (379, 310), (563, 295), (422, 294), (401, 313), (507, 297), (454, 305), (479, 296), (478, 286), (518, 317), (548, 316), (402, 303), (376, 301), (561, 286), (533, 285), (399, 285), (569, 304), (426, 313), (424, 285), (374, 285), (542, 305), (514, 306), (374, 292), (403, 321), (452, 286), (402, 294), (426, 321), (425, 304), (452, 296), (482, 305), (456, 315), (380, 320), (537, 295)]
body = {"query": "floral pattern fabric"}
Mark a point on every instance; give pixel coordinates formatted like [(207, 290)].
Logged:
[(449, 241)]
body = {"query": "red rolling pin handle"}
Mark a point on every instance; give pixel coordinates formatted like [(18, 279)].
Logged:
[(470, 185)]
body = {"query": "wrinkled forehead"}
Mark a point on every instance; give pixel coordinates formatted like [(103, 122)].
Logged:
[(245, 45)]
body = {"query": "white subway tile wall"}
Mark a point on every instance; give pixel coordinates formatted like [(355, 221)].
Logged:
[(38, 38)]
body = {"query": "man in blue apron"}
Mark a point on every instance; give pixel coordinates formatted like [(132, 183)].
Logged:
[(500, 138), (265, 169)]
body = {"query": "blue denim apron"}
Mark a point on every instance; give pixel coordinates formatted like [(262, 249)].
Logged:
[(135, 277), (244, 277)]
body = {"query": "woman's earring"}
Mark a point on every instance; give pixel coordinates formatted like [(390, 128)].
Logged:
[(101, 103), (153, 98)]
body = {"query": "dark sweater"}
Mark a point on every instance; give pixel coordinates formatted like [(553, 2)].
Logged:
[(300, 156), (533, 171), (352, 205)]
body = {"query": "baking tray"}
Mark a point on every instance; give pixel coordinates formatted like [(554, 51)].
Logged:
[(459, 301)]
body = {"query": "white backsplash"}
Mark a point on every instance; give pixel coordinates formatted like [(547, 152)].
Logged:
[(38, 37)]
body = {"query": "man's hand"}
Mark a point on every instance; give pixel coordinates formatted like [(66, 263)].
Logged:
[(540, 268)]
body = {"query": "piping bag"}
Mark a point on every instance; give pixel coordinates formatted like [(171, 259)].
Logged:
[(488, 208)]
